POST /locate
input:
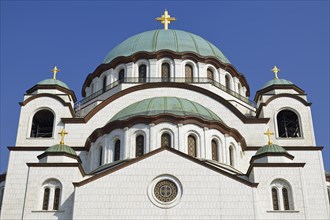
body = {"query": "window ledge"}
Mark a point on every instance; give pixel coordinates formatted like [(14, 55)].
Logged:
[(283, 211), (45, 211), (290, 138)]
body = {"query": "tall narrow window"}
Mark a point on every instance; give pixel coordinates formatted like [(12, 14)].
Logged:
[(215, 155), (117, 151), (188, 73), (57, 199), (275, 199), (100, 155), (192, 148), (329, 193), (288, 124), (46, 199), (239, 88), (210, 75), (166, 140), (121, 76), (285, 199), (228, 85), (104, 86), (142, 73), (1, 195), (166, 73), (139, 151), (231, 156), (42, 124)]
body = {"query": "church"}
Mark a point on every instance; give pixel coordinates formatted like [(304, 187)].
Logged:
[(165, 130)]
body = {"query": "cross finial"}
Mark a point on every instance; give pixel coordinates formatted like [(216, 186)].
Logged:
[(55, 70), (165, 19), (269, 133), (62, 133), (275, 70)]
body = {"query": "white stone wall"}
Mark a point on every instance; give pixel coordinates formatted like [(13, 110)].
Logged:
[(123, 194)]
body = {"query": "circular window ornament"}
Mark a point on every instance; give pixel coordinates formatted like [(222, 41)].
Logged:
[(165, 191)]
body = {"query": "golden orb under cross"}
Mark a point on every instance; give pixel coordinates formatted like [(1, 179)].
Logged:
[(55, 70), (165, 19), (269, 133), (62, 133), (275, 70)]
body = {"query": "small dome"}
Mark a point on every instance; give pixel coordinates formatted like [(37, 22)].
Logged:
[(166, 105), (61, 148), (277, 82), (174, 40), (53, 82), (272, 148)]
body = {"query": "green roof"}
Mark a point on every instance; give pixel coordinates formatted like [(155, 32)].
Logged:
[(272, 148), (277, 82), (166, 105), (174, 40), (61, 148), (53, 82)]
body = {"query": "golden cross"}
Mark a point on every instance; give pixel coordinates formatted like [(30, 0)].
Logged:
[(62, 133), (55, 70), (165, 19), (269, 133), (275, 70)]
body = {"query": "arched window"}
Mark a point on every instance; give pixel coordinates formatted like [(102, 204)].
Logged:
[(139, 146), (121, 76), (284, 202), (188, 73), (228, 84), (117, 151), (42, 124), (57, 196), (192, 146), (45, 199), (210, 75), (288, 124), (100, 155), (51, 190), (231, 156), (215, 155), (166, 140), (275, 199), (142, 73), (285, 199), (104, 86), (166, 72)]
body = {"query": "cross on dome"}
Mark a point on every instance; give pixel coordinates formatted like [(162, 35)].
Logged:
[(275, 70), (165, 19), (62, 133), (55, 70), (269, 133)]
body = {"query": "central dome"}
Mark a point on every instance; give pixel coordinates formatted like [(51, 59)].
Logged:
[(166, 105), (174, 40)]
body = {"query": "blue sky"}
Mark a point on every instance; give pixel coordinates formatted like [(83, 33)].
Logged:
[(77, 35)]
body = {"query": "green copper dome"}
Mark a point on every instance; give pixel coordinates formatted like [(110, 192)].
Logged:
[(61, 148), (277, 82), (174, 40), (55, 82), (166, 105), (272, 148)]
